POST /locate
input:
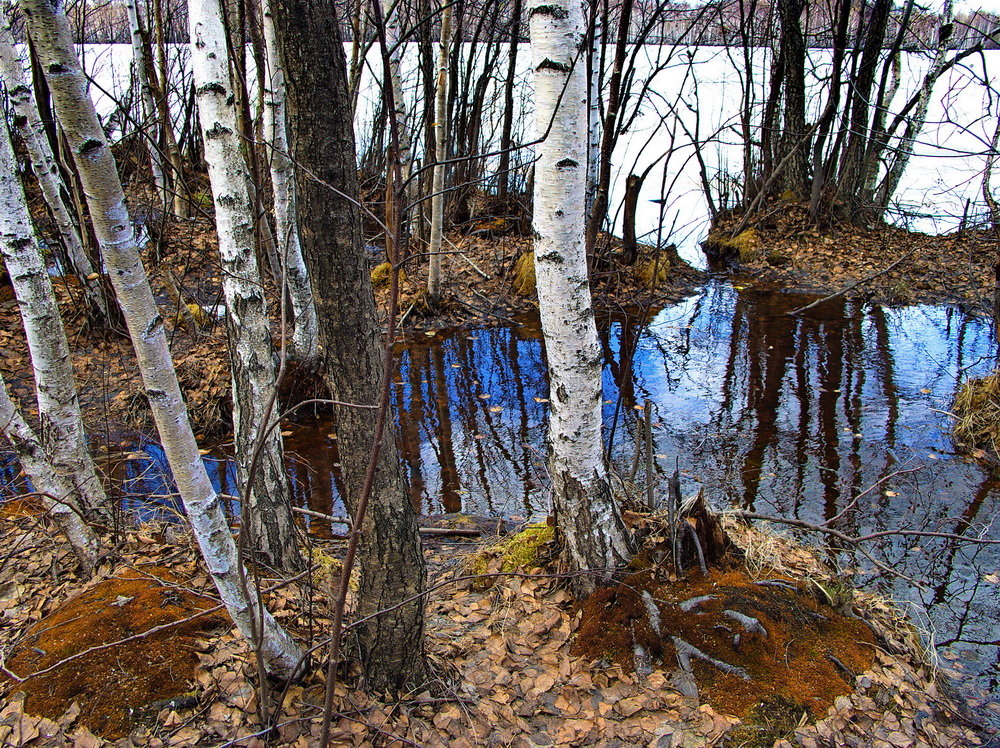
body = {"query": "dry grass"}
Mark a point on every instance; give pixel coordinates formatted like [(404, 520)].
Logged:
[(977, 413)]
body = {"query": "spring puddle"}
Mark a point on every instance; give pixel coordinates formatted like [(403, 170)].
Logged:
[(790, 416)]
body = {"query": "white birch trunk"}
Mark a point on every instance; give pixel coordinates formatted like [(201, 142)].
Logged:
[(441, 153), (62, 432), (51, 34), (904, 149), (251, 351), (305, 336), (56, 493), (587, 517), (140, 69), (594, 121), (43, 164)]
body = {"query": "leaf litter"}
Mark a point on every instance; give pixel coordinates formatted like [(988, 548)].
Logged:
[(506, 672)]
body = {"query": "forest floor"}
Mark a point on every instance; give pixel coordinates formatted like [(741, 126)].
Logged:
[(142, 655), (883, 264)]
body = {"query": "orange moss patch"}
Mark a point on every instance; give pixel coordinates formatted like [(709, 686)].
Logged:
[(797, 660), (110, 682)]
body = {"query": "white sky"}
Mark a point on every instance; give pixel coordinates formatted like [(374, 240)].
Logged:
[(965, 5)]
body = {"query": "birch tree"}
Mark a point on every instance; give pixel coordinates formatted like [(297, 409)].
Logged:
[(63, 435), (251, 352), (46, 169), (50, 32), (590, 527), (304, 337), (440, 155), (55, 492)]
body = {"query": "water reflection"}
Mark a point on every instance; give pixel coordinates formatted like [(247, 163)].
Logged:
[(787, 415)]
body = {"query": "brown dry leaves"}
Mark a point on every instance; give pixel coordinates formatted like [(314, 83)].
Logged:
[(948, 268), (504, 674)]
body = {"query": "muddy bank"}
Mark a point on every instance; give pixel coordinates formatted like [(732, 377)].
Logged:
[(884, 264)]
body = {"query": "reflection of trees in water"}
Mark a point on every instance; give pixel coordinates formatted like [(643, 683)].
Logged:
[(465, 452)]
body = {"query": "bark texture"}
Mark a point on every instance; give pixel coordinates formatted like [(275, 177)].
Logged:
[(587, 518), (62, 432), (322, 137), (305, 342), (440, 154), (140, 71), (56, 493), (251, 352), (45, 168), (50, 32)]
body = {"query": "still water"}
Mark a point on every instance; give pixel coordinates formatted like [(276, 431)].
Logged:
[(784, 415)]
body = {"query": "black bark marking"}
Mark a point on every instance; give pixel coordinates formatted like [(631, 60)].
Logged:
[(56, 68), (156, 394), (217, 131), (153, 326), (555, 11), (212, 88), (567, 163), (90, 146), (548, 64)]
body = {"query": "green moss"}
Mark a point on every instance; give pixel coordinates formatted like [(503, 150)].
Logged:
[(653, 272), (516, 552), (522, 549), (381, 275)]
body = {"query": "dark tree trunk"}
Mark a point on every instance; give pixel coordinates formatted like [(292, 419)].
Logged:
[(794, 134), (851, 182), (322, 142), (609, 133), (508, 100)]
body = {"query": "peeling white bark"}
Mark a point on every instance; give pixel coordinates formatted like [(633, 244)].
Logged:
[(50, 32), (441, 153), (43, 164), (55, 493), (305, 336), (586, 514), (62, 432), (251, 352)]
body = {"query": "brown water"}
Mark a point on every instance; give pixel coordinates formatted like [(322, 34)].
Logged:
[(790, 416)]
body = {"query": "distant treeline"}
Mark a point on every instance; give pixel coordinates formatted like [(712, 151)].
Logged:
[(722, 22)]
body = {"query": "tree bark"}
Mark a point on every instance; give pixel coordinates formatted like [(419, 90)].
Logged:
[(587, 518), (440, 155), (43, 163), (140, 69), (251, 352), (49, 29), (62, 432), (305, 339), (56, 494), (322, 137)]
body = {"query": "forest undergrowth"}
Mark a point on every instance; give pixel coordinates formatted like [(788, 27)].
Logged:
[(508, 667)]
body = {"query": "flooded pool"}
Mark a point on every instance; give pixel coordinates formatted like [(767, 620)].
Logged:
[(792, 416)]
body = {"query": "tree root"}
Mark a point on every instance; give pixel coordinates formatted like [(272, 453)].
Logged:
[(686, 651)]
